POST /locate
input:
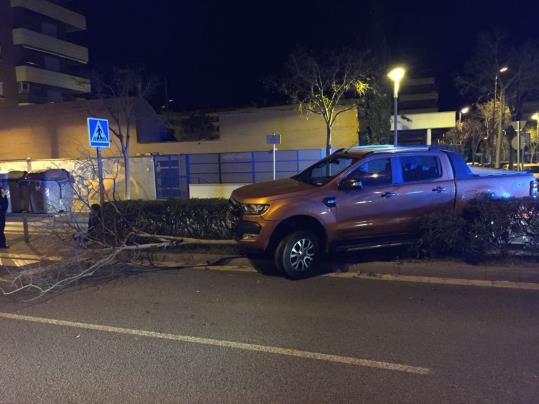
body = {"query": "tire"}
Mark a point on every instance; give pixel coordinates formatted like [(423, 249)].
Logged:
[(297, 254)]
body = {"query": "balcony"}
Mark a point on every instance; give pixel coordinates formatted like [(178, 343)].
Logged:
[(52, 79), (74, 20), (48, 44)]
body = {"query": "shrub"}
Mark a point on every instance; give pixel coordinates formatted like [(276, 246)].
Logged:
[(485, 227), (194, 218)]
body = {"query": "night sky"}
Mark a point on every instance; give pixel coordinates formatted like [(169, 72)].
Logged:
[(217, 53)]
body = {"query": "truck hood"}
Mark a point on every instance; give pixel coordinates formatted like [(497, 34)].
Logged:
[(271, 190)]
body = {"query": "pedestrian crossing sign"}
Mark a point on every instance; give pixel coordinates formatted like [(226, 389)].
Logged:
[(98, 132)]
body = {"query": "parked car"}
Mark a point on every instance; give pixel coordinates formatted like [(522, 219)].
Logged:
[(360, 198)]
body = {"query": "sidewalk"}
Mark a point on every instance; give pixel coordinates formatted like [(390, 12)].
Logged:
[(43, 243)]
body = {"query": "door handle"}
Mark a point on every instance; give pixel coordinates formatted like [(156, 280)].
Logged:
[(439, 189), (388, 194)]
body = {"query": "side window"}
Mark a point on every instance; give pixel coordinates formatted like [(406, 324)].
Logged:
[(373, 172), (420, 168)]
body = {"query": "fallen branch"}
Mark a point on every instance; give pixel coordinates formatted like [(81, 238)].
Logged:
[(184, 240)]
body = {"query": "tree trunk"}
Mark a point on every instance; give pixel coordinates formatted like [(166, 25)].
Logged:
[(127, 173), (328, 139)]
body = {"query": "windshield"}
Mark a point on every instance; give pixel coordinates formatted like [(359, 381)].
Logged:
[(325, 170)]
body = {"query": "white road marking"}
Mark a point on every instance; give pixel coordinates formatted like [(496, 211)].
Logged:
[(347, 360), (437, 280)]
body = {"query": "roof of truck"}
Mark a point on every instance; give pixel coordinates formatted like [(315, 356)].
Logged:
[(361, 151)]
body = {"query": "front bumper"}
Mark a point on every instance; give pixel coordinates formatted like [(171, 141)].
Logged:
[(247, 230)]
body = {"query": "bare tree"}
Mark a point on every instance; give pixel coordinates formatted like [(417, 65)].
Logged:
[(320, 84), (482, 77), (121, 90)]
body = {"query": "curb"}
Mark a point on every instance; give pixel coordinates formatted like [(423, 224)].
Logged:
[(242, 264)]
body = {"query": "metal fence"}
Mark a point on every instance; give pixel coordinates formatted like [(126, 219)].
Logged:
[(174, 173)]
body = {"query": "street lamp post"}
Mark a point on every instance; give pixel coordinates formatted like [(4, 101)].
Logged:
[(396, 75), (535, 117), (463, 111), (499, 135)]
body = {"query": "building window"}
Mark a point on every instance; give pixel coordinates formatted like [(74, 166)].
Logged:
[(49, 28), (54, 96), (52, 63), (24, 87)]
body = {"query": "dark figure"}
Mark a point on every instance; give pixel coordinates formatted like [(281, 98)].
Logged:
[(4, 203), (94, 220)]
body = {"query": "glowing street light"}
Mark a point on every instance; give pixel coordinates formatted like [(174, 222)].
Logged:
[(396, 75), (463, 111)]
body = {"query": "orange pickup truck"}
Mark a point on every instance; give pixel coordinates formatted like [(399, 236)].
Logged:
[(360, 198)]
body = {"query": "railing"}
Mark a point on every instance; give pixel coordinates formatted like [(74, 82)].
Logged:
[(174, 173)]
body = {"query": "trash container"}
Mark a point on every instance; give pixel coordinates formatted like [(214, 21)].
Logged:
[(51, 191), (5, 186), (19, 193)]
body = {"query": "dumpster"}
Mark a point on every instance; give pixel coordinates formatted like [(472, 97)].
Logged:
[(19, 193), (4, 185), (51, 191)]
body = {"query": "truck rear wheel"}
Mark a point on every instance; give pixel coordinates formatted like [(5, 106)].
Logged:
[(297, 254)]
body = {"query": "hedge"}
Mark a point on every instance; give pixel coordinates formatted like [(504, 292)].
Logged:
[(486, 227), (194, 218)]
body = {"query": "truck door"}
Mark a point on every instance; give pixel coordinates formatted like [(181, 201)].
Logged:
[(371, 212), (424, 188)]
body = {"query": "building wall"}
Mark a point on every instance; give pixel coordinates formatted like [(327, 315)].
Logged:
[(246, 130), (59, 131)]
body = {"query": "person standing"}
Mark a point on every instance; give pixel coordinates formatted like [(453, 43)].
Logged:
[(4, 203)]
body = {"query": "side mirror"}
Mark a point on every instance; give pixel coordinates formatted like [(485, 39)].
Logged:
[(350, 184)]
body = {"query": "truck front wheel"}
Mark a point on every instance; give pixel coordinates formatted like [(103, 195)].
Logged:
[(297, 254)]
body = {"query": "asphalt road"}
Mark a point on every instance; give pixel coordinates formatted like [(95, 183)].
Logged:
[(193, 336)]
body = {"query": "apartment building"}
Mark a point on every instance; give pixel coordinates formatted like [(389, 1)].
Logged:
[(418, 96), (39, 59)]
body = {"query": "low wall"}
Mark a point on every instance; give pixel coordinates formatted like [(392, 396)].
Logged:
[(212, 190)]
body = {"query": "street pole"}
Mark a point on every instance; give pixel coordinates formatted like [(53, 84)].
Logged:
[(274, 163), (395, 116), (396, 75), (499, 135), (533, 157), (100, 177), (518, 145)]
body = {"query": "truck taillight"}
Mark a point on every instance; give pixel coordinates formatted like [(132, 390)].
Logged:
[(534, 188)]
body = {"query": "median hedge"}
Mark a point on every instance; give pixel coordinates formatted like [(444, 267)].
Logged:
[(486, 227), (194, 218)]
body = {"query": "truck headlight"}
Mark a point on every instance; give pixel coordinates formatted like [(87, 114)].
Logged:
[(253, 208)]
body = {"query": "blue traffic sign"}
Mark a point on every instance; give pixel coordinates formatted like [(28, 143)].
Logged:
[(273, 139), (98, 132)]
